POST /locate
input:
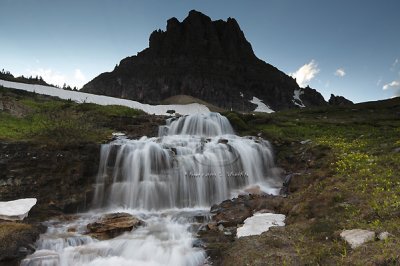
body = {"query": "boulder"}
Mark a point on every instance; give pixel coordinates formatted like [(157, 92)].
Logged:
[(113, 225), (357, 237), (236, 211)]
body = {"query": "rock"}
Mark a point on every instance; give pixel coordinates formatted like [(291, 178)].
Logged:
[(223, 141), (60, 178), (357, 237), (255, 190), (339, 100), (259, 223), (17, 240), (113, 225), (396, 150), (16, 209), (236, 211), (205, 59), (383, 235)]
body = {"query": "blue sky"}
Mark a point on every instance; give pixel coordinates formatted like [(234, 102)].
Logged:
[(349, 48)]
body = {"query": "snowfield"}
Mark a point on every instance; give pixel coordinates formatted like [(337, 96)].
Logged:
[(261, 107), (296, 98), (259, 223), (16, 209), (81, 97)]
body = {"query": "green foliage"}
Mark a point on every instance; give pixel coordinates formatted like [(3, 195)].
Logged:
[(236, 121), (57, 121), (360, 184)]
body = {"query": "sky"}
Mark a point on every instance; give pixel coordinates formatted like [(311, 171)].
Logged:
[(348, 48)]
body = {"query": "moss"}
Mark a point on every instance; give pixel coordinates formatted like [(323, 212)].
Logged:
[(236, 121)]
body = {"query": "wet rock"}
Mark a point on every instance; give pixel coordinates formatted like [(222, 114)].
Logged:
[(113, 225), (223, 141), (357, 237), (233, 212)]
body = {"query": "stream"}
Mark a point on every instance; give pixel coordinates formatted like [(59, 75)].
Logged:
[(170, 182)]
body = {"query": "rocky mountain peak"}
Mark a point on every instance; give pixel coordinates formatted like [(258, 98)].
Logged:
[(206, 59), (198, 36)]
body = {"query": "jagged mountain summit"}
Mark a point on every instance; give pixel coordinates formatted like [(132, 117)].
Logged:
[(209, 60)]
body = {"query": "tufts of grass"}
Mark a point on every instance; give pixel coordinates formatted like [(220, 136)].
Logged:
[(54, 121)]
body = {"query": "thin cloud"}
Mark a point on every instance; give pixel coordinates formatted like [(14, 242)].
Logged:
[(79, 77), (396, 61), (392, 85), (306, 73), (49, 76), (379, 82), (340, 72)]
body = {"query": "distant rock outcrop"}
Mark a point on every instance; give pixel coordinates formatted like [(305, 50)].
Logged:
[(339, 100), (209, 60)]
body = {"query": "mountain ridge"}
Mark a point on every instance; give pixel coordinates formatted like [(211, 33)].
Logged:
[(209, 60)]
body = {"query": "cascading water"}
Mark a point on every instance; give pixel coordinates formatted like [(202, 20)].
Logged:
[(195, 161)]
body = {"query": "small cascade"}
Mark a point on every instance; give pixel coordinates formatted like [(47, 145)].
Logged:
[(169, 182), (195, 161)]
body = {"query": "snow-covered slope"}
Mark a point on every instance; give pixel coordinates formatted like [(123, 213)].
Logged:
[(81, 97), (296, 98), (261, 107)]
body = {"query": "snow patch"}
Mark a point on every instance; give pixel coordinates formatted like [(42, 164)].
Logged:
[(261, 107), (81, 97), (259, 223), (16, 209), (296, 98)]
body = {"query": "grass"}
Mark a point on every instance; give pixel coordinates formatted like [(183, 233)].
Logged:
[(348, 177), (50, 120)]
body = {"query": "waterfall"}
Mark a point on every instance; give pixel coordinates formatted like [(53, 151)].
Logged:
[(195, 161), (167, 181)]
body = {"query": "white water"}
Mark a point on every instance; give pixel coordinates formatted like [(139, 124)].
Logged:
[(167, 181)]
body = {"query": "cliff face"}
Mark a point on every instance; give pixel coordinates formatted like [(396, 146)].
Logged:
[(210, 60)]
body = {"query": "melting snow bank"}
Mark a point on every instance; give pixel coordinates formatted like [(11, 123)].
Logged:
[(261, 107), (296, 98), (259, 223), (187, 109), (16, 209)]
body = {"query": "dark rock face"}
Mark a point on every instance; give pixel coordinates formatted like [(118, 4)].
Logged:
[(113, 225), (339, 100), (60, 178), (209, 60)]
